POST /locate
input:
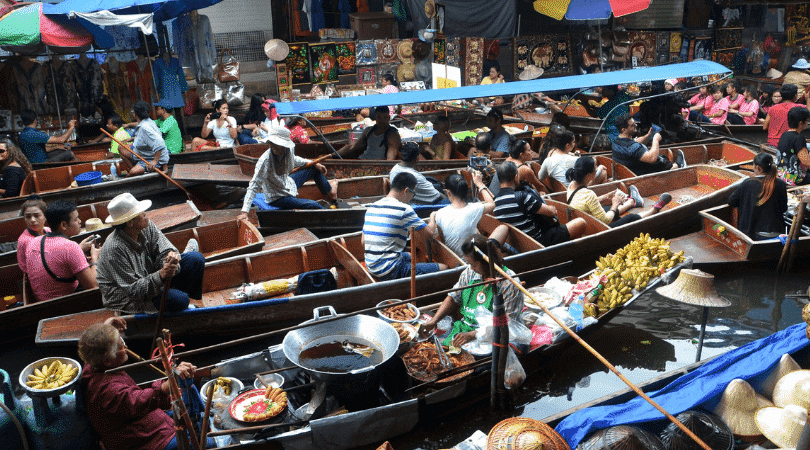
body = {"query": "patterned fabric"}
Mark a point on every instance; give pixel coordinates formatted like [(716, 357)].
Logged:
[(128, 272), (8, 87), (183, 37), (512, 297), (697, 99), (268, 182), (553, 8), (385, 232), (605, 111), (65, 259), (299, 135), (92, 83), (68, 76), (501, 141), (116, 87), (139, 81), (171, 83), (509, 211)]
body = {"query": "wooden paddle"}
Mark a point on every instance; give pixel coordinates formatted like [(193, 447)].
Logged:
[(199, 203), (598, 356), (311, 163)]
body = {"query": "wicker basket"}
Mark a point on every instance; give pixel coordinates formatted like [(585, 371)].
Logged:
[(521, 433)]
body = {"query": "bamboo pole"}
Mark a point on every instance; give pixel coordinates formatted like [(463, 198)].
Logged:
[(795, 227), (177, 397), (602, 359), (497, 312), (152, 366), (161, 311), (413, 262), (268, 334)]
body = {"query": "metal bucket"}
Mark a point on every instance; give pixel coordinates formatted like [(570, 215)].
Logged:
[(359, 329)]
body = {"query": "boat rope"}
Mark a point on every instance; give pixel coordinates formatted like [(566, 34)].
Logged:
[(169, 350)]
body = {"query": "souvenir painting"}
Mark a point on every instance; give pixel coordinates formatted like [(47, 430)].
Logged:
[(282, 76), (298, 63), (520, 54), (365, 53), (642, 47), (675, 40), (386, 50), (730, 38), (384, 69), (324, 63), (662, 41), (438, 51), (473, 61), (563, 62), (367, 76), (703, 48), (543, 54), (452, 51), (345, 57)]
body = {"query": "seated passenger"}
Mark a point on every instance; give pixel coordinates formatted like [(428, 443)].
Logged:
[(527, 211), (33, 141), (441, 144), (137, 261), (387, 227), (464, 302), (560, 160), (221, 125), (636, 156), (148, 143), (274, 176), (33, 210), (124, 415), (381, 141), (761, 202), (425, 193), (501, 139), (584, 199), (792, 157), (458, 221), (14, 167), (168, 126), (56, 265), (521, 155)]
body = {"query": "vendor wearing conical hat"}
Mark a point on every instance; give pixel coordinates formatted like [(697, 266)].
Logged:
[(137, 261)]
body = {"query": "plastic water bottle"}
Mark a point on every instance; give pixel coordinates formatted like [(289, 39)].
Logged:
[(113, 171)]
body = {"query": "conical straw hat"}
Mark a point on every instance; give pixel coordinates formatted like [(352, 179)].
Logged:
[(785, 366), (738, 407), (276, 49), (782, 426), (521, 433), (793, 389), (531, 72), (694, 287)]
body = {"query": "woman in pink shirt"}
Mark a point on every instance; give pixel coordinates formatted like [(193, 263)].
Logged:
[(33, 210), (719, 109), (697, 103), (735, 99), (748, 109)]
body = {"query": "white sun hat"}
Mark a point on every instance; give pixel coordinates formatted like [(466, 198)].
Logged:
[(125, 207)]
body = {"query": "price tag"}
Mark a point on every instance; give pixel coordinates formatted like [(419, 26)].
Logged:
[(445, 83)]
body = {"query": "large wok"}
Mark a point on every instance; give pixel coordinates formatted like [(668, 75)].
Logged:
[(359, 329)]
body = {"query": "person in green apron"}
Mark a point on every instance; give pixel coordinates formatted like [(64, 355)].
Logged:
[(463, 304)]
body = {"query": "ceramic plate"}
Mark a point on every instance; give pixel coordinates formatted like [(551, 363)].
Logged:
[(251, 401)]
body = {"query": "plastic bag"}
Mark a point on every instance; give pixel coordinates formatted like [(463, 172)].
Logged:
[(519, 333), (483, 317), (235, 94), (209, 94), (514, 375)]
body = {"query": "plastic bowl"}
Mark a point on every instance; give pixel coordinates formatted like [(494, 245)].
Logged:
[(236, 386), (88, 178), (274, 379), (29, 370), (388, 319)]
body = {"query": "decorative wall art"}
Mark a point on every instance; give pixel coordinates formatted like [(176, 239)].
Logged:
[(298, 63), (282, 76), (345, 57), (383, 69), (324, 63), (452, 48), (438, 51), (386, 50), (367, 76), (473, 60), (365, 53), (728, 38)]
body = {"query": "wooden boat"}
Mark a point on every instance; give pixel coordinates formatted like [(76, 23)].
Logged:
[(84, 153), (224, 154), (217, 240), (371, 421), (167, 219), (700, 382), (615, 171), (54, 183), (218, 313)]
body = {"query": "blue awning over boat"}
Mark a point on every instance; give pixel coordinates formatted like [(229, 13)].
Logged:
[(683, 70), (752, 362)]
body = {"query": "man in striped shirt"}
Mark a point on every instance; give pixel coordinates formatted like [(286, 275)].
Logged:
[(527, 211), (386, 230)]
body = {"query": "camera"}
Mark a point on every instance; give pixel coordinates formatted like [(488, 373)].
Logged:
[(215, 115), (479, 163)]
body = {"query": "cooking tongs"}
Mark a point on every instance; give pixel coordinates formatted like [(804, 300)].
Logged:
[(445, 360)]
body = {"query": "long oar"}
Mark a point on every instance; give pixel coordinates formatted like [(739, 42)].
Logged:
[(198, 202), (598, 356), (311, 163)]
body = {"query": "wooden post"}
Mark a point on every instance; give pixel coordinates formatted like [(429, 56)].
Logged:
[(161, 310), (413, 262), (498, 313)]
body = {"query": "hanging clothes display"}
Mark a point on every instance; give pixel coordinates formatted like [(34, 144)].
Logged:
[(68, 76), (115, 82), (53, 87), (139, 80), (205, 50), (183, 35), (91, 87), (8, 88), (170, 81), (23, 69), (125, 38)]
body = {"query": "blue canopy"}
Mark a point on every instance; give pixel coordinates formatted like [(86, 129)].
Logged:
[(683, 70), (162, 9), (751, 362)]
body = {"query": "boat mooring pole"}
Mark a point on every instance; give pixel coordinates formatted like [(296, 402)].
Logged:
[(413, 262), (702, 331), (500, 338)]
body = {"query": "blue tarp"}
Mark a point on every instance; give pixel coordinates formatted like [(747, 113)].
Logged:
[(162, 9), (704, 386), (683, 70)]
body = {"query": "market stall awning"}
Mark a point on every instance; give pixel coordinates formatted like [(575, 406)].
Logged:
[(588, 9), (162, 9), (106, 19), (683, 70), (28, 27)]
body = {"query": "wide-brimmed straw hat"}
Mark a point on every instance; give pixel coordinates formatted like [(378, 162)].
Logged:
[(793, 389), (738, 407), (406, 72), (276, 49), (522, 433), (694, 287), (93, 224), (405, 50), (280, 136), (801, 64), (622, 437), (708, 427), (531, 72), (786, 365), (125, 207), (420, 50), (782, 426)]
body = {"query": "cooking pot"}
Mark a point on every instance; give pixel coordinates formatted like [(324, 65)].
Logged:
[(358, 329)]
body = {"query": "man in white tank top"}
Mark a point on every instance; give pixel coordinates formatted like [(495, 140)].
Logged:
[(382, 141)]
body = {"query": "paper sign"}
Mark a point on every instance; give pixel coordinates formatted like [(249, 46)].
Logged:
[(445, 76)]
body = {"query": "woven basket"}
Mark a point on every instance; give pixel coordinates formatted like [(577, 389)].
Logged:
[(521, 433), (622, 437)]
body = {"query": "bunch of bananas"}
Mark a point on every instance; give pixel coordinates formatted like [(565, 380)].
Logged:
[(631, 267), (222, 384), (52, 376)]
